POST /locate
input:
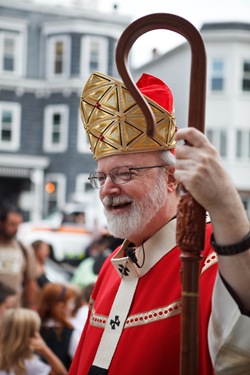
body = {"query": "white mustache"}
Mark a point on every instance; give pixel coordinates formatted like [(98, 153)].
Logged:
[(112, 200)]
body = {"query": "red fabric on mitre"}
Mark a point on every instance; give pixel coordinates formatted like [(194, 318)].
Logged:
[(156, 90)]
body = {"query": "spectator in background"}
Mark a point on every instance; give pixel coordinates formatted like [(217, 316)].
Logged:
[(89, 268), (19, 338), (79, 218), (57, 302), (8, 298), (85, 272), (17, 262), (76, 217), (80, 312), (41, 251)]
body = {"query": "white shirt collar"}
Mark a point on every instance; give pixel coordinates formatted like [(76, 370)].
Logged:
[(155, 248)]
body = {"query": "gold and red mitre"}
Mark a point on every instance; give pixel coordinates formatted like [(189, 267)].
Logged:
[(114, 122)]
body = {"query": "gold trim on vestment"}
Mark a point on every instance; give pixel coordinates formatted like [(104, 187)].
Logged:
[(154, 315), (147, 317)]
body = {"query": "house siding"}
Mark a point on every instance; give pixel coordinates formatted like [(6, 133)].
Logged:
[(34, 92)]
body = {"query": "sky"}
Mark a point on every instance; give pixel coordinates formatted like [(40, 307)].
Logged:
[(195, 11)]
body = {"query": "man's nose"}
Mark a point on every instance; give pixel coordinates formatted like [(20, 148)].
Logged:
[(109, 187)]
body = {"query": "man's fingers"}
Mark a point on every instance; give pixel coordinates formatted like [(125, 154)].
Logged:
[(191, 136)]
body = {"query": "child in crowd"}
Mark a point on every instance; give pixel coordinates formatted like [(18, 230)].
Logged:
[(19, 339)]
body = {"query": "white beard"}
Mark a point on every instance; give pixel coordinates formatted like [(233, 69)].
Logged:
[(140, 213)]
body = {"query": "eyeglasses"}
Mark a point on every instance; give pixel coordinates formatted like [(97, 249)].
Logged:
[(119, 175)]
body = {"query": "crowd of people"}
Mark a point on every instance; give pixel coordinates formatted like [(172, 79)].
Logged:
[(40, 321)]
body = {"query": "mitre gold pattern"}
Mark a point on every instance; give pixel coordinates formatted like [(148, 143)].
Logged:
[(116, 125)]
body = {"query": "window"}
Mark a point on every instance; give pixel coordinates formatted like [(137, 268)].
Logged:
[(58, 63), (56, 128), (223, 143), (58, 58), (10, 53), (10, 115), (210, 135), (94, 55), (82, 138), (55, 191), (219, 139), (82, 184), (86, 195), (243, 143), (217, 76), (246, 76), (239, 141), (246, 203), (13, 46), (249, 145)]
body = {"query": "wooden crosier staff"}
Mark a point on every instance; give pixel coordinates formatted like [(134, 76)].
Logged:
[(190, 216)]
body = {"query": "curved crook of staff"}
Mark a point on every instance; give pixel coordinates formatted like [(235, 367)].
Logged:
[(190, 216)]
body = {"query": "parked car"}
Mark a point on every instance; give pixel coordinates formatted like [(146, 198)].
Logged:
[(67, 232), (57, 273)]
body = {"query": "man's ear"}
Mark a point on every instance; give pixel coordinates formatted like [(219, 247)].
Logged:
[(172, 183)]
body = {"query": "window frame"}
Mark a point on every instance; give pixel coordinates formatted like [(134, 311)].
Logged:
[(18, 51), (244, 146), (83, 145), (51, 56), (85, 57), (83, 185), (217, 74), (14, 144), (217, 140), (246, 203), (245, 75), (49, 112)]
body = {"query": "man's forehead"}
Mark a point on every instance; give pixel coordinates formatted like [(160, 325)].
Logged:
[(128, 160)]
